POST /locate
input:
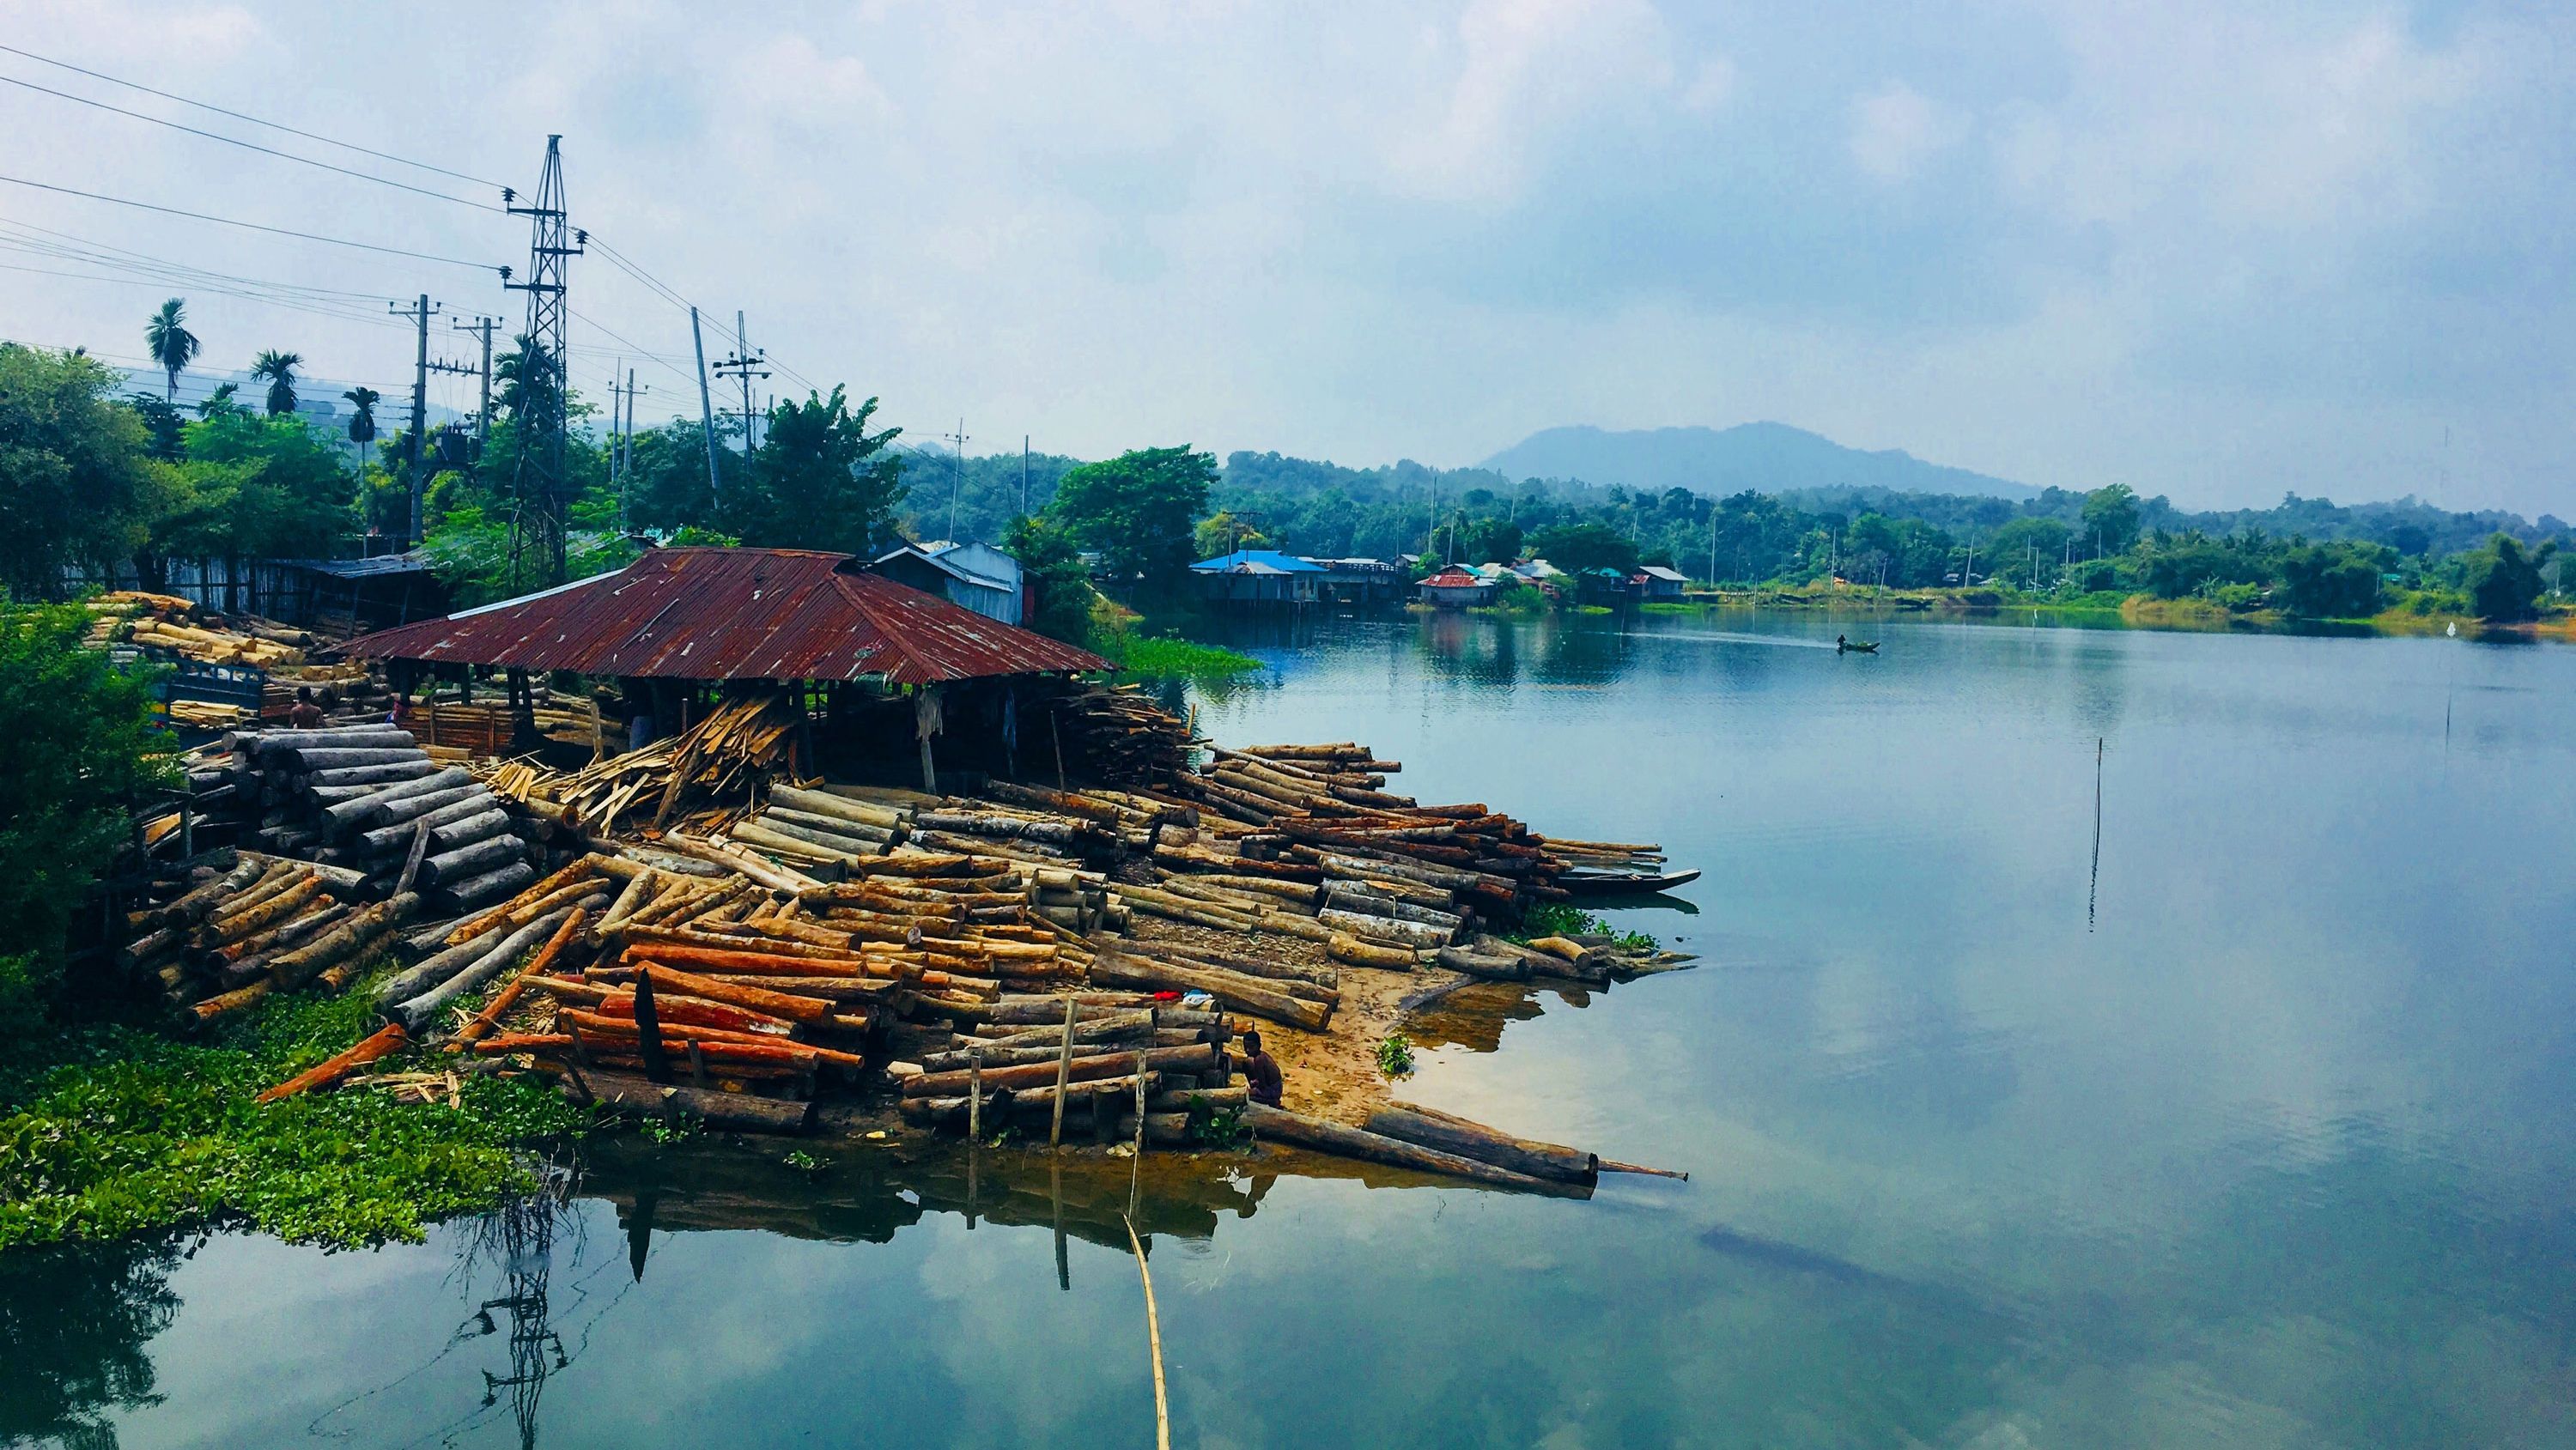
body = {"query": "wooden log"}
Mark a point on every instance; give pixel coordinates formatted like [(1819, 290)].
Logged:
[(257, 919), (747, 863), (400, 770), (1453, 1134), (1236, 991), (1277, 1125), (508, 997), (833, 827), (383, 1043), (319, 759), (794, 1007), (1231, 961), (1385, 929), (343, 942), (490, 886), (1083, 1067), (730, 1112), (197, 904), (419, 1011), (257, 744), (824, 803), (797, 840), (1493, 967), (385, 840), (351, 815), (1358, 953), (467, 862)]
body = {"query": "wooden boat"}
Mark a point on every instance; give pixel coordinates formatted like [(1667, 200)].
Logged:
[(1852, 647), (1614, 883)]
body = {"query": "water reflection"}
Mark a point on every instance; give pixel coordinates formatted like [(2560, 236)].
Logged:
[(75, 1326)]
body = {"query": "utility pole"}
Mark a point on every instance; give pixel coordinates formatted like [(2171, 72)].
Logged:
[(545, 383), (616, 431), (706, 406), (1024, 475), (626, 447), (957, 480), (419, 312), (744, 365), (482, 327)]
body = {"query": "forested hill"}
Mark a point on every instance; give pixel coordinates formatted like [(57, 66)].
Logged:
[(1768, 457)]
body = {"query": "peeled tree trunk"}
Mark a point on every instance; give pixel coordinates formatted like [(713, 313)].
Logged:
[(422, 1010)]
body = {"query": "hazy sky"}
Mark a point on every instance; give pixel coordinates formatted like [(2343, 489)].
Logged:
[(2213, 251)]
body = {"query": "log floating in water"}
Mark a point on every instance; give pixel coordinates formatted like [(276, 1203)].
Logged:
[(733, 1112), (1277, 1125), (1452, 1134)]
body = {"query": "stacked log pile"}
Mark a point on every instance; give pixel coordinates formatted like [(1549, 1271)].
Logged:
[(259, 925), (368, 799), (193, 631)]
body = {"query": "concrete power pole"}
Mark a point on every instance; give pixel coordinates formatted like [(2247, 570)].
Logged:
[(419, 312), (744, 365), (1024, 475), (957, 480), (482, 327), (706, 405)]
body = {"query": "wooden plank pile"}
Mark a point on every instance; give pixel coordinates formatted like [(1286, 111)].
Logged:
[(368, 799), (718, 758), (1118, 735)]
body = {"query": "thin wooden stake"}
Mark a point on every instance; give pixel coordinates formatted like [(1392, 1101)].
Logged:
[(648, 1030), (1063, 1070), (1136, 1169), (1153, 1337), (974, 1095), (1058, 738)]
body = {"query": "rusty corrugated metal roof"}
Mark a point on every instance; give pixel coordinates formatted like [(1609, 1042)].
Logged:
[(734, 614)]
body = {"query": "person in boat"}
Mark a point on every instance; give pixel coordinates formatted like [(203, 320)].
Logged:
[(1261, 1072), (1841, 643)]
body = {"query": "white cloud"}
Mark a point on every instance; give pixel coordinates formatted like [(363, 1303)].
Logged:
[(1896, 129), (1523, 68)]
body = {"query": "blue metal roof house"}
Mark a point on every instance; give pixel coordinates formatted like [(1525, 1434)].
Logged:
[(1257, 576)]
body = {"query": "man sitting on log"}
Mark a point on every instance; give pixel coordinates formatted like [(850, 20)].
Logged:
[(304, 714), (1261, 1072)]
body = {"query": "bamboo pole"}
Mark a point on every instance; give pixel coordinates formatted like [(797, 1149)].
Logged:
[(1153, 1338), (1063, 1067)]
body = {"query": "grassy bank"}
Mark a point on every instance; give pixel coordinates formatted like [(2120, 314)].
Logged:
[(107, 1131), (1176, 658)]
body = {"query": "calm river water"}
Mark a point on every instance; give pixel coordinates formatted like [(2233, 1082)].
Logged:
[(2244, 1123)]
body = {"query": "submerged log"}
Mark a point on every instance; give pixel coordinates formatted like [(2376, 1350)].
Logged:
[(1453, 1134), (1277, 1125)]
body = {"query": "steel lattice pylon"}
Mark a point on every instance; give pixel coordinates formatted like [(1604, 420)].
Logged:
[(541, 484)]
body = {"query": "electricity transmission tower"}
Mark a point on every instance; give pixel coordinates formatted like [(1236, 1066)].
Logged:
[(541, 483)]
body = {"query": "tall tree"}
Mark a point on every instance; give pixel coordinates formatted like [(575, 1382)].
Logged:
[(172, 345), (819, 480), (279, 370), (1138, 510), (2504, 582), (74, 484), (220, 401)]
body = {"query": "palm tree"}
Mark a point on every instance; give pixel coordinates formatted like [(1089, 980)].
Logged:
[(172, 345), (279, 368), (219, 401), (362, 426)]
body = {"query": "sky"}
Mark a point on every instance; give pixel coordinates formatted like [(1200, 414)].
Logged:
[(2215, 252)]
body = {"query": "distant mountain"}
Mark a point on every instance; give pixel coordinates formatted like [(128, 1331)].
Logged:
[(1771, 457)]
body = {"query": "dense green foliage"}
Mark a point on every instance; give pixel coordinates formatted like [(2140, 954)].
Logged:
[(127, 1130), (1169, 658), (2503, 581), (1139, 511), (76, 753), (1052, 575), (77, 486)]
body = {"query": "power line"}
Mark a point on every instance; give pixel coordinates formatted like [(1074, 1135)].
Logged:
[(80, 242), (250, 226), (250, 145), (254, 120)]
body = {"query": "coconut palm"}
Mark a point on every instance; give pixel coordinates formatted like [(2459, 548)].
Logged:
[(172, 345), (279, 369), (219, 401)]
